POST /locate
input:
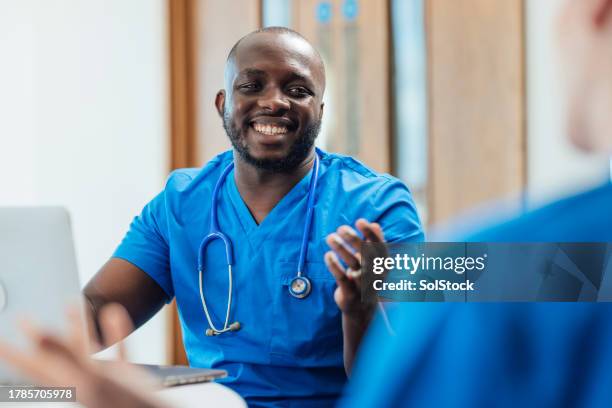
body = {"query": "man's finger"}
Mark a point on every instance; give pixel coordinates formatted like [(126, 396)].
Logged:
[(370, 230), (350, 236), (347, 253), (333, 264)]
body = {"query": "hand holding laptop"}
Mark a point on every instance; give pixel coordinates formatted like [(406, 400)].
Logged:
[(65, 361)]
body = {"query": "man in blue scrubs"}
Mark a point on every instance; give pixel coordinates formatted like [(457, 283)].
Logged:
[(287, 351), (515, 355)]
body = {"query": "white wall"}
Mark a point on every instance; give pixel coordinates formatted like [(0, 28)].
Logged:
[(554, 167), (84, 120)]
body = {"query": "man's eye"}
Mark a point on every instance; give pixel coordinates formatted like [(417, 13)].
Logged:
[(249, 87), (299, 91)]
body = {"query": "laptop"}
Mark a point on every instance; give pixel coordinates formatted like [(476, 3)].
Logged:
[(39, 280)]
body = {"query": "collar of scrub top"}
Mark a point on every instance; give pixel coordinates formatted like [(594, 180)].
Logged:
[(299, 287)]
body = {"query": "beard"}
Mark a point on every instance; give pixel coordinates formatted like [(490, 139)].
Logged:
[(298, 151)]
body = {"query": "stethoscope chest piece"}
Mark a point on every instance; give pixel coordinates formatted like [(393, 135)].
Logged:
[(300, 287)]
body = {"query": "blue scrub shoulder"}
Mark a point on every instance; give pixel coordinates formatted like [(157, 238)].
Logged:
[(188, 190), (363, 193), (181, 180), (583, 217), (348, 166)]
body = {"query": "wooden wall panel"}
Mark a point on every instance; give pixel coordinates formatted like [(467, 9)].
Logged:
[(477, 103), (182, 46), (182, 43)]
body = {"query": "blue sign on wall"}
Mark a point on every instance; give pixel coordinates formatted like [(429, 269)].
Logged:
[(324, 12), (350, 9)]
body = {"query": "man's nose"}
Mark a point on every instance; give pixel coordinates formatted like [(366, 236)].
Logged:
[(274, 100)]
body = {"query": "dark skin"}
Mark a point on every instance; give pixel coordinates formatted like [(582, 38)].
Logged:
[(275, 80)]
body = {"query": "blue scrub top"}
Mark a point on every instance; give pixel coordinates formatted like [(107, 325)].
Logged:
[(287, 348), (498, 355)]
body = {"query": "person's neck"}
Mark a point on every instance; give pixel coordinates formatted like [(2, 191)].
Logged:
[(262, 189)]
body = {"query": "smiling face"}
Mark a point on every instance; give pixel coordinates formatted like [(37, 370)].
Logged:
[(272, 102)]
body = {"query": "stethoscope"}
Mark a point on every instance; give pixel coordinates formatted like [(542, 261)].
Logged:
[(299, 287)]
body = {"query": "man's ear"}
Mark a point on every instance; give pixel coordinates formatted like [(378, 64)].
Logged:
[(220, 102), (602, 13), (321, 111)]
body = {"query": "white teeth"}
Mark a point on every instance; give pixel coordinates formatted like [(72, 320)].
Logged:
[(269, 129)]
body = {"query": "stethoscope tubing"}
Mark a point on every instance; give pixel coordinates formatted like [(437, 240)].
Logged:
[(312, 188), (215, 233)]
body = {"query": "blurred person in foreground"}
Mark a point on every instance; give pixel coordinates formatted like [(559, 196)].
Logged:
[(64, 361), (519, 354)]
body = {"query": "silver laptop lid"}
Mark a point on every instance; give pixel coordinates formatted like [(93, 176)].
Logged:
[(38, 272)]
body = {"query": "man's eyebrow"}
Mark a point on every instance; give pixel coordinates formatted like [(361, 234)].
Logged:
[(299, 77), (293, 76), (252, 72)]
